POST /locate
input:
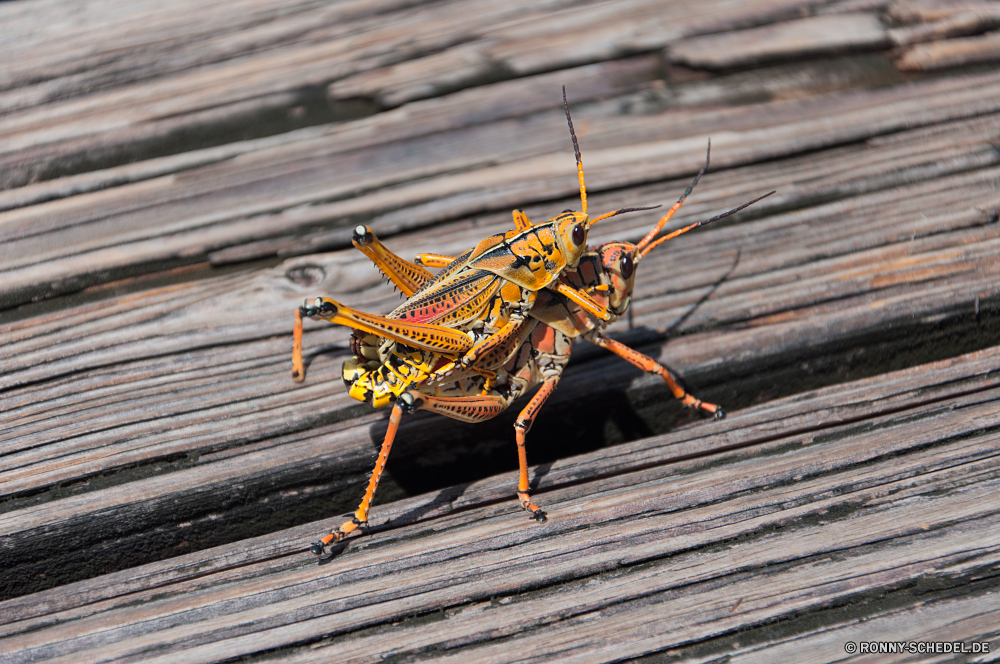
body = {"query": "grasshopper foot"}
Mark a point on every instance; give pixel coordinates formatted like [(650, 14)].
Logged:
[(318, 307), (536, 512), (319, 548)]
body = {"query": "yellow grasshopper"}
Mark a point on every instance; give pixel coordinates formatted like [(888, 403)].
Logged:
[(385, 370)]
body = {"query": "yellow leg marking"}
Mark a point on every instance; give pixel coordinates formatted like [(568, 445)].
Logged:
[(298, 367), (585, 301), (361, 515), (650, 365)]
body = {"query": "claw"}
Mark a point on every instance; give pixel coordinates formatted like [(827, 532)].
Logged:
[(720, 414), (539, 516)]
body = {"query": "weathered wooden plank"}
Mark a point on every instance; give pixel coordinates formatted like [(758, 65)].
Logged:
[(281, 60), (845, 404), (929, 476), (963, 21), (201, 214), (951, 53), (807, 298), (969, 618), (806, 279), (807, 37), (153, 452)]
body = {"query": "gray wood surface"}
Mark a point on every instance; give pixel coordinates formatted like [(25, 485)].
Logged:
[(177, 178)]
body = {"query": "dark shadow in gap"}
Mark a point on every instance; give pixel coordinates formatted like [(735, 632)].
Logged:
[(334, 552)]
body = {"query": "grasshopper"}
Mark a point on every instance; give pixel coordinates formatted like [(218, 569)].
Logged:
[(386, 370), (608, 272), (471, 312)]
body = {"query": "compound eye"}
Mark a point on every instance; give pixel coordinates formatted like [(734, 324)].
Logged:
[(579, 235), (628, 266)]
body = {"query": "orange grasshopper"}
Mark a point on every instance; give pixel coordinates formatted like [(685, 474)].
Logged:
[(471, 313), (608, 273), (536, 353)]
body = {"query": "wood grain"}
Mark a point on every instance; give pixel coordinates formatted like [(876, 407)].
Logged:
[(624, 541), (177, 178)]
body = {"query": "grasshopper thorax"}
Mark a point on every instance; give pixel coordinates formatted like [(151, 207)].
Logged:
[(534, 256)]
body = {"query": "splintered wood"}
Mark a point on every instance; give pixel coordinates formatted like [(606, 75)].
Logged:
[(178, 179)]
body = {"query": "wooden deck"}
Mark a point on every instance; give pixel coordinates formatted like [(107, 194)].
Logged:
[(177, 178)]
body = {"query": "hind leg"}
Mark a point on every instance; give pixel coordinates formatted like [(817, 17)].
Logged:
[(361, 515)]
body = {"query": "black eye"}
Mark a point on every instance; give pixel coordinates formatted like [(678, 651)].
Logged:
[(579, 235), (565, 211), (627, 266)]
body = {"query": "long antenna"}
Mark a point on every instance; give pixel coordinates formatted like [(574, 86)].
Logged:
[(622, 211), (579, 161), (681, 231), (680, 201)]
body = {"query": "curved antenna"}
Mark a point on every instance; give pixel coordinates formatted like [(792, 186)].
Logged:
[(680, 201), (622, 211), (576, 149), (681, 231)]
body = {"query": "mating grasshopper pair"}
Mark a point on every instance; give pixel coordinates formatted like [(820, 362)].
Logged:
[(497, 321)]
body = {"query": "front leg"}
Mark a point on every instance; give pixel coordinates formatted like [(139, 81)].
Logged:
[(650, 365), (497, 348), (583, 300)]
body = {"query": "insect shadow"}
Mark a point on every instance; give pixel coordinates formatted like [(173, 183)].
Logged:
[(673, 327)]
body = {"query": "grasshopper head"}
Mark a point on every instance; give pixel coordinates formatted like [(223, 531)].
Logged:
[(571, 233), (617, 265)]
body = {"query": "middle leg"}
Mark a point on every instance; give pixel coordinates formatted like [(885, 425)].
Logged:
[(521, 427)]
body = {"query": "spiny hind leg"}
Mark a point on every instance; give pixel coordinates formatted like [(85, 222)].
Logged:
[(521, 427), (407, 277), (434, 338), (361, 515), (650, 365)]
